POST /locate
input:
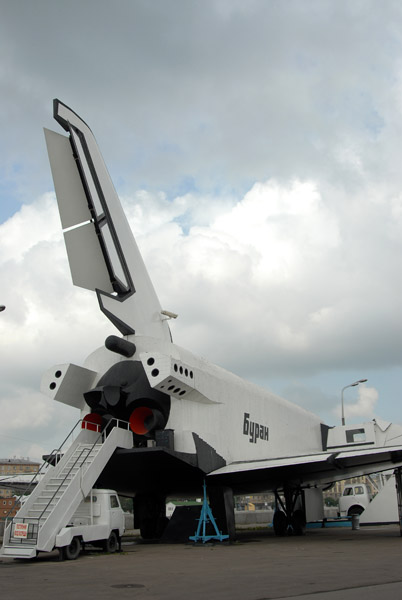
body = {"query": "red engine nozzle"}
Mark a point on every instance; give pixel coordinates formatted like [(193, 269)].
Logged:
[(143, 420)]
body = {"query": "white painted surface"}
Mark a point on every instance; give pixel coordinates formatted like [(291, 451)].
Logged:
[(222, 409), (384, 506)]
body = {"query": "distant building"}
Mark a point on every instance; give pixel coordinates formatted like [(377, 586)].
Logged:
[(255, 502), (15, 466), (8, 506)]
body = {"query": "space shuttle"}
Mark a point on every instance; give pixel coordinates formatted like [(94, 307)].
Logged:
[(191, 420)]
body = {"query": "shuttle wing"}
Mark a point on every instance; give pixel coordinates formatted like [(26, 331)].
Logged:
[(102, 252), (304, 471)]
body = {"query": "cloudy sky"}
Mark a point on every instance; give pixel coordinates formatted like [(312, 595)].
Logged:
[(256, 147)]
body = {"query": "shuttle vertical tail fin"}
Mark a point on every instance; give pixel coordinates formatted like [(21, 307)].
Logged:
[(101, 248)]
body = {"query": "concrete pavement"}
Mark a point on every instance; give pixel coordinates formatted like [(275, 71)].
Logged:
[(325, 564)]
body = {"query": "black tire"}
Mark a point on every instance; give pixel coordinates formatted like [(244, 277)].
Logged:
[(111, 543), (280, 523), (72, 551), (355, 510), (298, 522)]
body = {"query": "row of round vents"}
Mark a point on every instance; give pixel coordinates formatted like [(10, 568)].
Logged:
[(178, 369)]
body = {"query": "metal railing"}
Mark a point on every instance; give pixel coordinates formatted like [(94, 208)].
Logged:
[(44, 466), (53, 459)]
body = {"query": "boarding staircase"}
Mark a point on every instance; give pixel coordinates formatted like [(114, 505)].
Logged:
[(69, 478)]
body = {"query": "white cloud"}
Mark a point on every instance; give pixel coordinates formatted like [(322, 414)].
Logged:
[(280, 226), (31, 226), (258, 165), (31, 425), (221, 94), (280, 269), (24, 409)]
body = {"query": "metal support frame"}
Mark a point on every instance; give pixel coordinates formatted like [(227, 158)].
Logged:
[(398, 485), (206, 517), (288, 507)]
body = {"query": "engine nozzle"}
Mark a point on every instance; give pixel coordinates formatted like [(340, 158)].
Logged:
[(143, 420)]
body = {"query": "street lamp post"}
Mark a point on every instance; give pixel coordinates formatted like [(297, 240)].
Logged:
[(343, 389)]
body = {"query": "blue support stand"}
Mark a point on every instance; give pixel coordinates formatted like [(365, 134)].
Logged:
[(206, 517)]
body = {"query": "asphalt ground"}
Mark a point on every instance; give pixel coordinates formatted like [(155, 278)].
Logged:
[(325, 564)]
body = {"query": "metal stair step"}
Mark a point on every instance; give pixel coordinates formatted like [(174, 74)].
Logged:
[(69, 469), (29, 520), (55, 485), (13, 552), (19, 542), (39, 511)]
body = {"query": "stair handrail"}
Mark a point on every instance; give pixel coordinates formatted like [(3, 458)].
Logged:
[(87, 450), (44, 465), (55, 493), (103, 433), (114, 423), (84, 424)]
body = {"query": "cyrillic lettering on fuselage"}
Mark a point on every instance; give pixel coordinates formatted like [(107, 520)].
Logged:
[(254, 430)]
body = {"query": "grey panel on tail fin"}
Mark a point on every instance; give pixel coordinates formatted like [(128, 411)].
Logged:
[(85, 257), (73, 205)]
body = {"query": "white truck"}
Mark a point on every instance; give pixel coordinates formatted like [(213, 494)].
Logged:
[(355, 498), (99, 521)]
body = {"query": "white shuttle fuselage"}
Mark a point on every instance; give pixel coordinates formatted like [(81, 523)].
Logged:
[(191, 420)]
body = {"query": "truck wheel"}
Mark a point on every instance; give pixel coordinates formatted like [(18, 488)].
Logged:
[(71, 552), (111, 543), (355, 510)]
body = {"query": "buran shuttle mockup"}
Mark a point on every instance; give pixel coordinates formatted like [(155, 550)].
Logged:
[(191, 420)]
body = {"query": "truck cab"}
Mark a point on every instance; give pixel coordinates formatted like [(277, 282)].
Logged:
[(355, 498), (98, 520)]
